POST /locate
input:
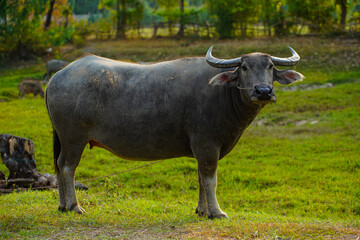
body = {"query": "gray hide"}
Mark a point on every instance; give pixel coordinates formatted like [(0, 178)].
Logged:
[(53, 66), (157, 111)]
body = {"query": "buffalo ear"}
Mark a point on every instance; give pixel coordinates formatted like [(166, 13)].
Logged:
[(224, 78), (286, 77)]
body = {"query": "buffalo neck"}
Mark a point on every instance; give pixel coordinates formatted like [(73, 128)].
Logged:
[(239, 112)]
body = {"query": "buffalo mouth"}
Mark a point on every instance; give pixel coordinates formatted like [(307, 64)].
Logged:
[(263, 102), (263, 94)]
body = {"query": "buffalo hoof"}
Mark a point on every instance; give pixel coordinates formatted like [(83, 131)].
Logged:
[(201, 212), (219, 215), (78, 209), (61, 208)]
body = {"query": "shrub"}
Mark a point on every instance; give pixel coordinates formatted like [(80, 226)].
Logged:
[(78, 41), (57, 36)]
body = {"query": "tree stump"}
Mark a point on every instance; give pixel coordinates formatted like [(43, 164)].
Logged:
[(17, 154)]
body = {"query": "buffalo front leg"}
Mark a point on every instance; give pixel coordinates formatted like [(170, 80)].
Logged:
[(67, 162), (209, 181), (207, 168), (202, 208)]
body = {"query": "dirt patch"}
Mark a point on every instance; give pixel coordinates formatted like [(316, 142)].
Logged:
[(304, 87), (283, 122)]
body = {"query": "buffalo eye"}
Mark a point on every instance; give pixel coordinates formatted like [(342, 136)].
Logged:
[(244, 68), (271, 66)]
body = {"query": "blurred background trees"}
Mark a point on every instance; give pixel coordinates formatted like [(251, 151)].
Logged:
[(29, 27)]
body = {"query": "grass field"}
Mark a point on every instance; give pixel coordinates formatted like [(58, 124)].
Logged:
[(295, 173)]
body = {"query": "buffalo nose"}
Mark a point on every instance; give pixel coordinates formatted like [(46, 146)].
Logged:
[(263, 92)]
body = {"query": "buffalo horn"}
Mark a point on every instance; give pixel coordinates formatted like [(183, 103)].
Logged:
[(289, 61), (221, 63)]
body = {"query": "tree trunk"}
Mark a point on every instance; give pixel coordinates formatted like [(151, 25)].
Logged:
[(269, 29), (207, 26), (181, 28), (268, 24), (66, 22), (138, 26), (49, 14), (124, 18), (121, 19), (265, 27), (170, 23), (243, 27), (156, 26), (5, 13), (343, 14), (118, 19)]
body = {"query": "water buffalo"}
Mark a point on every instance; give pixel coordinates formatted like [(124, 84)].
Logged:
[(197, 107), (30, 86), (53, 66)]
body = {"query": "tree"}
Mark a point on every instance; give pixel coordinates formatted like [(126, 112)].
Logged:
[(318, 13), (281, 27), (181, 27), (246, 12), (223, 12), (122, 13), (121, 19), (3, 13), (267, 14), (136, 14), (49, 14), (343, 7), (21, 32), (228, 13), (66, 12), (167, 10)]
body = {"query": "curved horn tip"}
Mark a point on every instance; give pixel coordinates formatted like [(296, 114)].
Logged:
[(291, 49), (221, 63), (210, 49)]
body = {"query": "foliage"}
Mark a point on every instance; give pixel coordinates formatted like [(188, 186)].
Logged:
[(136, 14), (267, 14), (22, 19), (22, 34), (58, 36), (316, 12), (78, 41), (168, 12), (129, 12), (224, 23), (82, 28), (103, 27), (21, 27)]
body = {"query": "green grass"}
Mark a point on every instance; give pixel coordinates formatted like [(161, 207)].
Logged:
[(283, 178)]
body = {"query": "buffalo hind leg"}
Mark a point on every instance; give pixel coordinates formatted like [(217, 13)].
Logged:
[(62, 198), (67, 162)]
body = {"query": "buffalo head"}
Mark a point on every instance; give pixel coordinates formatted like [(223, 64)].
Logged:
[(254, 74)]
